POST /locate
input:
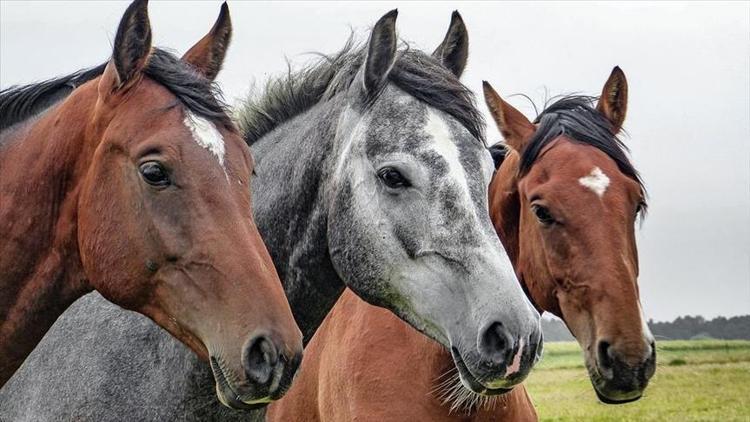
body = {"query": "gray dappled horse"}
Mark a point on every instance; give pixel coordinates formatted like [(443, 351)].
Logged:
[(372, 174)]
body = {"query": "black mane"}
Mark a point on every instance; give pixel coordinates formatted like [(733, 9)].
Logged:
[(498, 152), (196, 93), (576, 117), (415, 72), (18, 103)]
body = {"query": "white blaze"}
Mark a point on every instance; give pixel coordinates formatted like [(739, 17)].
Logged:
[(646, 330), (597, 181), (644, 324), (445, 146), (206, 135)]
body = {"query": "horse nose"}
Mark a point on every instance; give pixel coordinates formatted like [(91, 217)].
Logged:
[(605, 359), (625, 374), (259, 359), (495, 344), (268, 367)]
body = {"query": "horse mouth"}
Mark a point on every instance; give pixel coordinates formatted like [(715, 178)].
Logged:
[(470, 381), (612, 397), (227, 395), (607, 400)]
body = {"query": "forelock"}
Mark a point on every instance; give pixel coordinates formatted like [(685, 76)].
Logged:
[(577, 118), (414, 72)]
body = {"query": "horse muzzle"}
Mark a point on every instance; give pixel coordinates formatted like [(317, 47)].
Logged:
[(500, 361), (268, 374), (617, 382)]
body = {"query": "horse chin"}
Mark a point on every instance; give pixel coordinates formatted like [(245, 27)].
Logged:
[(226, 394), (230, 400), (610, 397), (470, 382), (608, 400)]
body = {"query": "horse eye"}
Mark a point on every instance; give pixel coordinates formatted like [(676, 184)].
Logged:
[(393, 178), (154, 174), (543, 214)]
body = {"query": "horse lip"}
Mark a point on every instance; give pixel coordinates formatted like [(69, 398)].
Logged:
[(470, 382), (226, 394), (597, 379), (607, 400)]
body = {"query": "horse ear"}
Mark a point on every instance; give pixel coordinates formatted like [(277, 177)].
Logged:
[(454, 50), (613, 103), (514, 126), (131, 49), (381, 52), (207, 55)]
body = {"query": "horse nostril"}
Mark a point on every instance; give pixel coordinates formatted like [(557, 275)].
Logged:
[(260, 356), (604, 353), (496, 344)]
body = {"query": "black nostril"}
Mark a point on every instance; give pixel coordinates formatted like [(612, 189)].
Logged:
[(259, 358), (496, 343), (603, 352)]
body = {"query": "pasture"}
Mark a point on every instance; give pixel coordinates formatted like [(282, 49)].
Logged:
[(698, 380)]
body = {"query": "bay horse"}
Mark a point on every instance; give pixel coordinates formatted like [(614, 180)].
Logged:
[(372, 174), (564, 202), (130, 179)]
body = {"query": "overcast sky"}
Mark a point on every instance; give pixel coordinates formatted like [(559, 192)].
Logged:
[(688, 67)]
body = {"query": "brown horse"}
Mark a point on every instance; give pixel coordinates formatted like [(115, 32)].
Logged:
[(564, 202), (131, 179)]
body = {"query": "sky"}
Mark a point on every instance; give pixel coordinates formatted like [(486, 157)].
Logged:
[(687, 64)]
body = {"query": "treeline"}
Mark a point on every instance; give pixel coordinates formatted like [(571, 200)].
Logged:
[(695, 327), (682, 328)]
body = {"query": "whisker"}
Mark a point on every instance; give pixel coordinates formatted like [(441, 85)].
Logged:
[(452, 394)]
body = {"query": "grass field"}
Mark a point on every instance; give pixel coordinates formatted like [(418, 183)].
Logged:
[(700, 380)]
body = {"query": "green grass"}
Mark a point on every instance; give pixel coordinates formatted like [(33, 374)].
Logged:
[(697, 380)]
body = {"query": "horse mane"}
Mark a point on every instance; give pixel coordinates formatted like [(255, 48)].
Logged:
[(576, 117), (418, 74), (18, 103), (498, 152), (198, 94)]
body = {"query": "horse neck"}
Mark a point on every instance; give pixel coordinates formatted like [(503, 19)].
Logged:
[(293, 165), (43, 163)]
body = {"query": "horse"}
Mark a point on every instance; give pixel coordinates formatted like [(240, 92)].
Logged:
[(371, 173), (564, 202), (131, 179)]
